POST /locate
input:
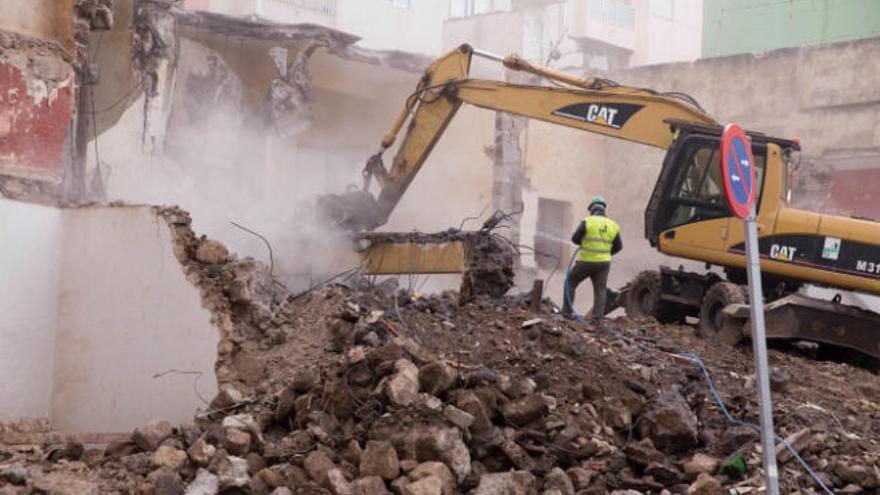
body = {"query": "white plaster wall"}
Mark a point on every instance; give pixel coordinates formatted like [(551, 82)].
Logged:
[(126, 313), (416, 28), (29, 261)]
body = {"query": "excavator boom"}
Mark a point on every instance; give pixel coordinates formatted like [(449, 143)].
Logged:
[(594, 105)]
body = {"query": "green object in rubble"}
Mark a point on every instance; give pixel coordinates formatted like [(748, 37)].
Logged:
[(735, 467)]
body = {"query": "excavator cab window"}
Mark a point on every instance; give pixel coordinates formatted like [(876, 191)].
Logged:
[(691, 190)]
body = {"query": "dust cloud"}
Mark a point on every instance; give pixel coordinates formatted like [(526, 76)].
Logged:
[(227, 164)]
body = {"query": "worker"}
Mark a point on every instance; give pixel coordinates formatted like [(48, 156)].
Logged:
[(599, 238)]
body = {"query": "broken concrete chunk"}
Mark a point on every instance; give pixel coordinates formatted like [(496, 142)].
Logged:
[(151, 436), (437, 377), (137, 463), (431, 403), (165, 482), (402, 389), (557, 479), (705, 485), (201, 452), (398, 485), (437, 470), (420, 355), (580, 477), (523, 411), (489, 263), (232, 472), (669, 422), (516, 388), (517, 455), (470, 403), (458, 417), (380, 459), (337, 483), (356, 354), (663, 473), (445, 444), (318, 464), (863, 476), (237, 442), (643, 452), (371, 485), (212, 252), (352, 452), (509, 483), (430, 485), (169, 458), (205, 483), (700, 463)]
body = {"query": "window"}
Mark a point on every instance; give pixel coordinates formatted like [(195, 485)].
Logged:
[(698, 193)]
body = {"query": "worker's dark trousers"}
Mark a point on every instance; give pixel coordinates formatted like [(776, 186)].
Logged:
[(597, 272)]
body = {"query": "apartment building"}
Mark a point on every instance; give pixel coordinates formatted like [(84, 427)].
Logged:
[(600, 34)]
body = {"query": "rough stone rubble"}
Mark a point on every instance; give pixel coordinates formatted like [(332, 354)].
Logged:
[(357, 390)]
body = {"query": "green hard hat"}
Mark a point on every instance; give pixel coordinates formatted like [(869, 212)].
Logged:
[(598, 200)]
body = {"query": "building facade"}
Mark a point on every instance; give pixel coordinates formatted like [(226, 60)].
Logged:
[(740, 26), (406, 25), (600, 34)]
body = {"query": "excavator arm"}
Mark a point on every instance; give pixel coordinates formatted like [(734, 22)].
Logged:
[(594, 105)]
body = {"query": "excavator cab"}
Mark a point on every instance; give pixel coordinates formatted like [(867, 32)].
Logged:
[(689, 189)]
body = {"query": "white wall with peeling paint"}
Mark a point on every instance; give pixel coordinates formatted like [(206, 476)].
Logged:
[(127, 314), (95, 309), (30, 241)]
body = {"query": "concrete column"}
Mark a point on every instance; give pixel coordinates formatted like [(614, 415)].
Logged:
[(508, 176)]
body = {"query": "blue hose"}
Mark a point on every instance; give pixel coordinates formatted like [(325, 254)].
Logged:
[(708, 379)]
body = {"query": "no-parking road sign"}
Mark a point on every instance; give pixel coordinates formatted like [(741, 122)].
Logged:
[(740, 184), (738, 170)]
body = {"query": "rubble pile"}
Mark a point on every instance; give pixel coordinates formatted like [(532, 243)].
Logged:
[(363, 389)]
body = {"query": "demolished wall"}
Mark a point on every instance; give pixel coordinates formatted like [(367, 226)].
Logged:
[(99, 313), (132, 337), (222, 159)]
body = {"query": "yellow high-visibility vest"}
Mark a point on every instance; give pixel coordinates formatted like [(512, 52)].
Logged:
[(597, 242)]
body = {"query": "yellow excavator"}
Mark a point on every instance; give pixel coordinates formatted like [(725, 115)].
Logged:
[(686, 216)]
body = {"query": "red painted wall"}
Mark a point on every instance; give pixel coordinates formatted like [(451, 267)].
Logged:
[(33, 130), (854, 193)]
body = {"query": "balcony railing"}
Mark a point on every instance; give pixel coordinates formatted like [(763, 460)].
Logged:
[(613, 13), (324, 7)]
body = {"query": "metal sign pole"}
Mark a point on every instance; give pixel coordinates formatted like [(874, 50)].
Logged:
[(759, 343)]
